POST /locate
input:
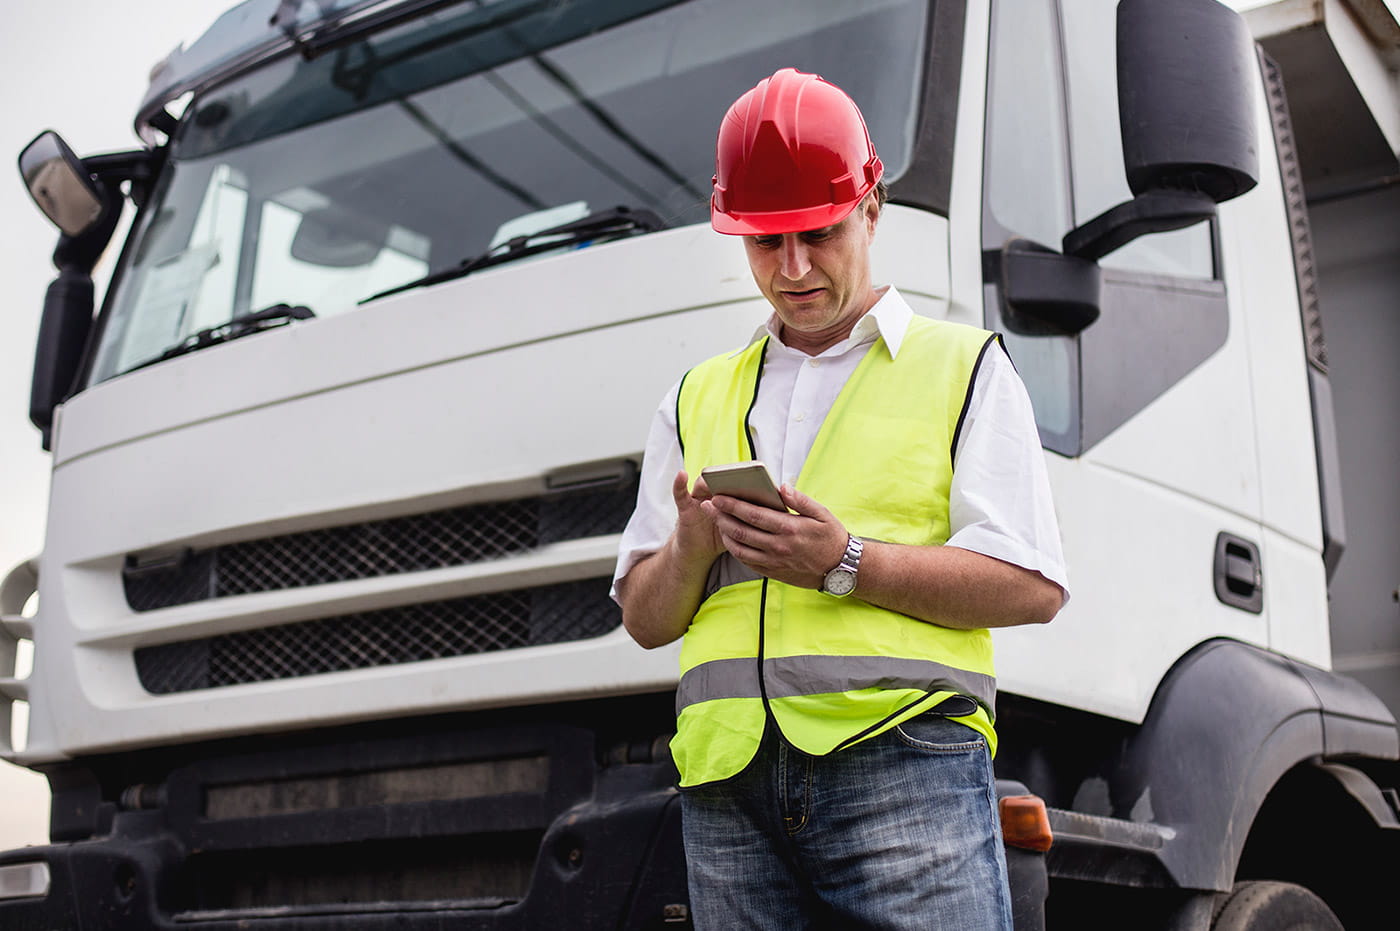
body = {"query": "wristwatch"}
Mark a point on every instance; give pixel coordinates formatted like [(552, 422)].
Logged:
[(841, 581)]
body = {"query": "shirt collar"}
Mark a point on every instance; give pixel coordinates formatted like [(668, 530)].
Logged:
[(888, 319)]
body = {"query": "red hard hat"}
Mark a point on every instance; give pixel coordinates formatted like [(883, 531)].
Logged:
[(793, 154)]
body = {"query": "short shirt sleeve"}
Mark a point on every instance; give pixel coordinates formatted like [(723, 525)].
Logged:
[(1000, 503), (655, 515)]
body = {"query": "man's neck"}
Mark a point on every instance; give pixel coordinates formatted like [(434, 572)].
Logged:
[(811, 345), (814, 344)]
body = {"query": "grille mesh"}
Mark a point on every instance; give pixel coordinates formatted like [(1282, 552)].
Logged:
[(413, 543), (407, 634)]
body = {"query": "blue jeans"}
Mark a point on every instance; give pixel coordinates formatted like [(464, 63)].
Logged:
[(900, 831)]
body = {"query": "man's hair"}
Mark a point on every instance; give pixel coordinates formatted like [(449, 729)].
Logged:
[(879, 193)]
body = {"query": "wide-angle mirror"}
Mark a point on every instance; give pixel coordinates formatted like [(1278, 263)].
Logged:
[(59, 184)]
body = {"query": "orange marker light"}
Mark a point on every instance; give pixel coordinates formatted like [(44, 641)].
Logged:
[(1025, 824)]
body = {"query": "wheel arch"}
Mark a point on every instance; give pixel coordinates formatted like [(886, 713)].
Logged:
[(1228, 724), (1328, 826)]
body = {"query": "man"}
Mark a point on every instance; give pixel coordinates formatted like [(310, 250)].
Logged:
[(834, 723)]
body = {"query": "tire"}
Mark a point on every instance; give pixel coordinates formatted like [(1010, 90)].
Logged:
[(1273, 906)]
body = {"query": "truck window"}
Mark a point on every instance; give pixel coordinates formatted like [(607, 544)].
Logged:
[(415, 148), (1052, 131), (1027, 165), (200, 277), (1099, 182), (1028, 194)]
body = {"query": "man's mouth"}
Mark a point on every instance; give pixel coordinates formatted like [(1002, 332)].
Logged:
[(806, 295)]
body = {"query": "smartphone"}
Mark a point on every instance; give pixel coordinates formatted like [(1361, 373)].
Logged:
[(749, 481)]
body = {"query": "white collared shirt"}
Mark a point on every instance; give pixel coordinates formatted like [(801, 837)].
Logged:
[(999, 503)]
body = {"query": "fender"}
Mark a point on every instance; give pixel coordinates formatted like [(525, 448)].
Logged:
[(1228, 721)]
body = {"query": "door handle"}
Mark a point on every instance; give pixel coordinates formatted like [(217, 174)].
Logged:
[(1239, 574)]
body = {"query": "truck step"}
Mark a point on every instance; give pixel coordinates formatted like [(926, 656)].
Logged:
[(1099, 848)]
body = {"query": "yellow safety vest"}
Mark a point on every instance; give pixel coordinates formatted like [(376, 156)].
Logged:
[(831, 672)]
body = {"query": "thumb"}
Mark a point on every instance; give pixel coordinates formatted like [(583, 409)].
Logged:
[(680, 488), (804, 505)]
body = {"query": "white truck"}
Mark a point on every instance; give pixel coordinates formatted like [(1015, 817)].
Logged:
[(323, 636)]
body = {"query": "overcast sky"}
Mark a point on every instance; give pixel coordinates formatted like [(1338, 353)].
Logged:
[(79, 67)]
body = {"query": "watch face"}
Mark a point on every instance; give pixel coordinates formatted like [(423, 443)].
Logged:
[(839, 582)]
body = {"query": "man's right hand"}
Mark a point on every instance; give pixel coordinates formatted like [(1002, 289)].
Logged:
[(697, 536), (661, 593)]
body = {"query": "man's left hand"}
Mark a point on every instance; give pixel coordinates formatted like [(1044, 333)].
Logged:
[(796, 548)]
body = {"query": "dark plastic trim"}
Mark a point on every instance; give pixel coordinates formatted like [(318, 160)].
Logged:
[(1239, 573), (142, 853), (1228, 721), (1026, 874), (927, 182), (1148, 212), (1044, 289), (1329, 474)]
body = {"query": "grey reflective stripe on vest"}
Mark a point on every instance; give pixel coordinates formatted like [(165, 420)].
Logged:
[(788, 676), (726, 570)]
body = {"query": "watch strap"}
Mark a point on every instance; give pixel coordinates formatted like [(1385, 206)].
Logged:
[(848, 566)]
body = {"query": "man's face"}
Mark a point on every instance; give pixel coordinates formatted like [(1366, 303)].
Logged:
[(818, 281)]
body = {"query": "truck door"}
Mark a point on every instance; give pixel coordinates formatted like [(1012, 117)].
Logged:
[(1147, 414)]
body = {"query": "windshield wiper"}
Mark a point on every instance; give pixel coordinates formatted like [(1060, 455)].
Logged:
[(244, 325), (605, 226)]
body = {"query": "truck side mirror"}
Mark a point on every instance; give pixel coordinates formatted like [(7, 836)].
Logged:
[(86, 211), (1186, 112), (60, 185)]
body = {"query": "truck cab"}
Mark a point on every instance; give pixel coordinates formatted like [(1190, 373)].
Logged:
[(340, 458)]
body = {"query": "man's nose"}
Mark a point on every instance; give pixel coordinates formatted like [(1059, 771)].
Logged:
[(794, 262)]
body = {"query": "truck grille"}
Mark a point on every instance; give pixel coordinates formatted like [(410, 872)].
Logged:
[(407, 634), (412, 543)]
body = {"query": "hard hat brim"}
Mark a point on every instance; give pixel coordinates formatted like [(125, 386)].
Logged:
[(783, 221)]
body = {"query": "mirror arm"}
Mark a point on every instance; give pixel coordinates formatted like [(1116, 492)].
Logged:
[(78, 254), (165, 122), (1150, 212), (139, 166), (134, 165)]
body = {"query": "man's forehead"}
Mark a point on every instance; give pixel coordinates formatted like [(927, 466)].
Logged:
[(824, 229)]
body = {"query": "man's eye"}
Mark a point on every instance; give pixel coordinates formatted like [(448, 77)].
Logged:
[(766, 242), (817, 235)]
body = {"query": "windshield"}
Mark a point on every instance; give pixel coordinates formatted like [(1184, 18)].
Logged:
[(322, 183)]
